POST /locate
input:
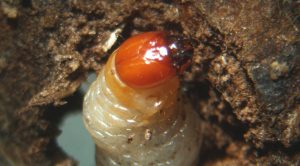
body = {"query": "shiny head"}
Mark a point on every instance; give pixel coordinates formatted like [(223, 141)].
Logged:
[(151, 58)]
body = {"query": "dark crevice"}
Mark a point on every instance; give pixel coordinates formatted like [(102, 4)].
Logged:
[(211, 154), (76, 74), (55, 114), (235, 128), (55, 152), (196, 91), (85, 42), (95, 16), (215, 41), (172, 26), (199, 91), (76, 11), (168, 1), (50, 29), (279, 147), (91, 16), (13, 23), (26, 3)]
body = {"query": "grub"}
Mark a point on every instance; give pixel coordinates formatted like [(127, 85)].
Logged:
[(244, 78)]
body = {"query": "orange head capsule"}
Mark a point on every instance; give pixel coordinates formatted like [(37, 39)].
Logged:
[(151, 58)]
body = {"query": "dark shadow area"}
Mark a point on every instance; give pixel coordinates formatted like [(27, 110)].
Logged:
[(55, 114)]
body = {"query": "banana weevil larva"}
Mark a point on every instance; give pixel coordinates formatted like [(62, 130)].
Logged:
[(134, 110)]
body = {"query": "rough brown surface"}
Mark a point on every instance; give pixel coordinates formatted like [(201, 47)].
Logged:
[(244, 80)]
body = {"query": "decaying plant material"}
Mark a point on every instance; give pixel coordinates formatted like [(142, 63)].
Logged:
[(244, 80)]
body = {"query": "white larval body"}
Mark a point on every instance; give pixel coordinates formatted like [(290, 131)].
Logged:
[(152, 130)]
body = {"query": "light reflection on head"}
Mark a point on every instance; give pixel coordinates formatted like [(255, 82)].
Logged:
[(156, 53)]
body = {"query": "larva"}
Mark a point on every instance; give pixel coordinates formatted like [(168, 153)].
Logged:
[(134, 110)]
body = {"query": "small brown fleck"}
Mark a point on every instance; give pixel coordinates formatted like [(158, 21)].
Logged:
[(130, 138), (161, 111), (112, 72)]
